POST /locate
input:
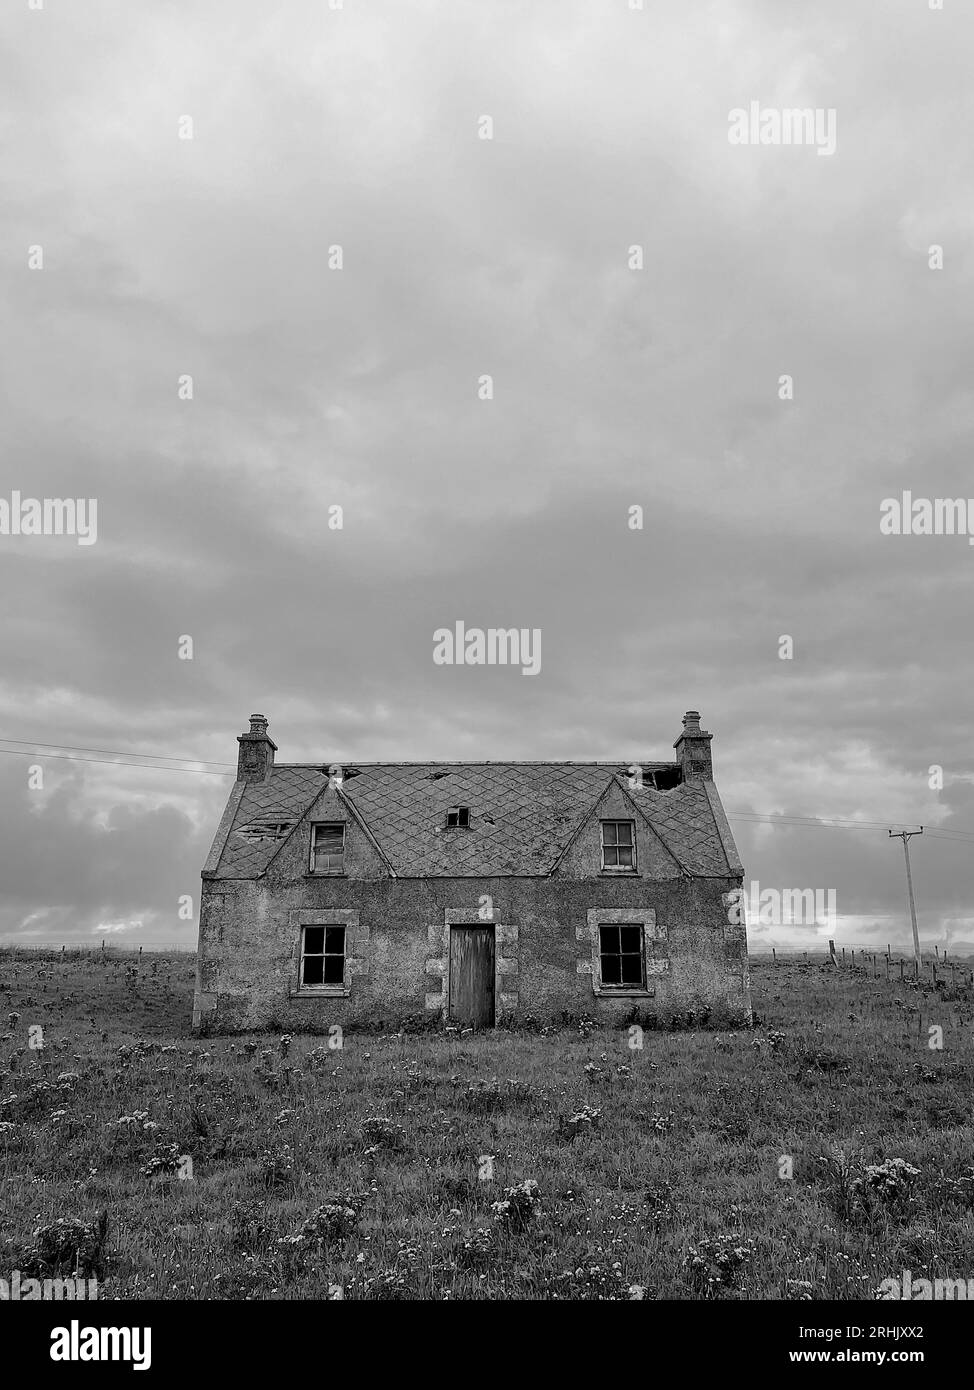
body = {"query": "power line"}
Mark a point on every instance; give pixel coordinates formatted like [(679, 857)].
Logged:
[(840, 822), (117, 762), (160, 757), (801, 822)]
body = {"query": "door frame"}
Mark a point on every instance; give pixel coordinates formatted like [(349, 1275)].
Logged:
[(506, 959), (465, 926)]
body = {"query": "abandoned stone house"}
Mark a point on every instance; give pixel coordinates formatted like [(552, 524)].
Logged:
[(473, 893)]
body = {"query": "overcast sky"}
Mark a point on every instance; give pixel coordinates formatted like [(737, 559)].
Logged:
[(314, 387)]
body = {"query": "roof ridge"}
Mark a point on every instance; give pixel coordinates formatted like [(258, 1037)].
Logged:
[(485, 762)]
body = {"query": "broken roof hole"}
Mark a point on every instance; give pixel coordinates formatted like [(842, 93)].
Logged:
[(666, 778), (266, 829)]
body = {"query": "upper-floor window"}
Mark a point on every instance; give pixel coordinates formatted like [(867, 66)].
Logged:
[(328, 849), (458, 816), (618, 844)]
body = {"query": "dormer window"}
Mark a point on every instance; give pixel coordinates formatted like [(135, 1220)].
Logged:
[(618, 846), (328, 849), (458, 817)]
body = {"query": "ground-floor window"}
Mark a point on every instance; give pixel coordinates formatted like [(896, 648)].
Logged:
[(627, 951), (621, 955), (322, 956)]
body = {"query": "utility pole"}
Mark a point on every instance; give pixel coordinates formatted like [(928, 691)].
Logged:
[(905, 836)]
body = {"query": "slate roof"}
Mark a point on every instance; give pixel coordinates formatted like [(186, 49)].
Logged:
[(522, 816)]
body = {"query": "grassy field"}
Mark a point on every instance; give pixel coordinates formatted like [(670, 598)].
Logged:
[(565, 1165)]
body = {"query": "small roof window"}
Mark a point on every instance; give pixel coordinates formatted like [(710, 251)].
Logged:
[(458, 816)]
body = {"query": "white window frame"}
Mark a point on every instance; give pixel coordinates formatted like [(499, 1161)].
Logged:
[(617, 868)]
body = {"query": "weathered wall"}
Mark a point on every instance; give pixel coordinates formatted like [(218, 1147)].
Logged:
[(398, 932)]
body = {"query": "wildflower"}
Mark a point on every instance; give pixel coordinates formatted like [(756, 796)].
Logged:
[(518, 1205)]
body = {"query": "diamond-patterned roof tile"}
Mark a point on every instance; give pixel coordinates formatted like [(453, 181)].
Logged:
[(521, 816)]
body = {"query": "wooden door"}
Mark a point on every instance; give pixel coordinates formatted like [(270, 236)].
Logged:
[(472, 976)]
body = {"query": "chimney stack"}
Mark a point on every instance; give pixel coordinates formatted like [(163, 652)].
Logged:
[(255, 760), (693, 748)]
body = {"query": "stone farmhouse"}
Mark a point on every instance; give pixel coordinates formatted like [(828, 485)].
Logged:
[(476, 894)]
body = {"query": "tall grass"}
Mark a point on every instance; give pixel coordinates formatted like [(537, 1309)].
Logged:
[(811, 1157)]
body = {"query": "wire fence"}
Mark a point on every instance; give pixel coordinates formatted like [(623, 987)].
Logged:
[(78, 952), (933, 966)]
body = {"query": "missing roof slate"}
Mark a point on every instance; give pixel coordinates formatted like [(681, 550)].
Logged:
[(266, 830)]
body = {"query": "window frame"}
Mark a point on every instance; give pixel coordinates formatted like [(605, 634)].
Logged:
[(622, 986), (325, 986), (617, 868), (462, 821), (357, 951), (312, 868), (656, 962)]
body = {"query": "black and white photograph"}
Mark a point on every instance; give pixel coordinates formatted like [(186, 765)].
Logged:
[(486, 733)]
